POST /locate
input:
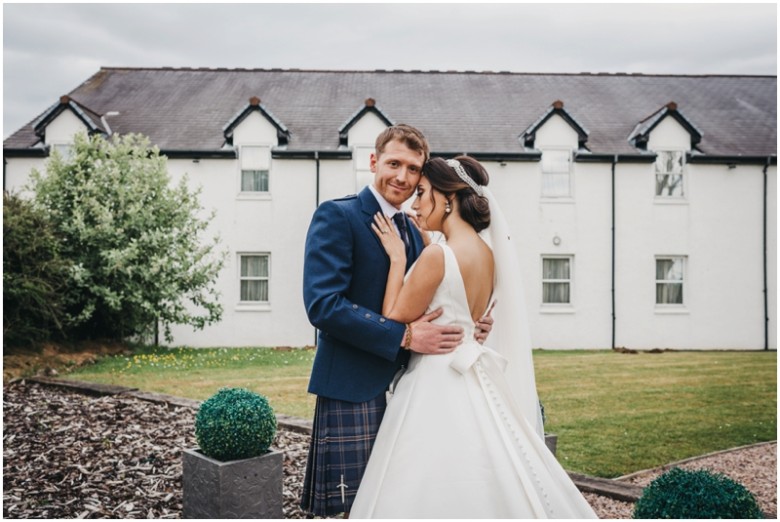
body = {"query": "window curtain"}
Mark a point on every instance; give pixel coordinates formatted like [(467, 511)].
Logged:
[(252, 268), (669, 281), (556, 291), (254, 181), (669, 173)]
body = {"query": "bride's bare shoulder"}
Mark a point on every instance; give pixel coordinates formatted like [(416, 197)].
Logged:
[(472, 250), (432, 254)]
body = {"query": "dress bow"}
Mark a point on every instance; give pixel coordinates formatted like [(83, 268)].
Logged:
[(469, 353)]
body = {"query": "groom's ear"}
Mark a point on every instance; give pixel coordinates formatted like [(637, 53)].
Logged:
[(372, 162)]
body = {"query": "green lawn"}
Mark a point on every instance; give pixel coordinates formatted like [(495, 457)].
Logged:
[(617, 413), (197, 373), (614, 413)]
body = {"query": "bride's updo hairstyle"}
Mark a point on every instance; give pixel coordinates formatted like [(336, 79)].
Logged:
[(474, 209)]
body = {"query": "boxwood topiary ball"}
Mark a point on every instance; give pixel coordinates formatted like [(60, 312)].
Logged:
[(681, 493), (235, 423)]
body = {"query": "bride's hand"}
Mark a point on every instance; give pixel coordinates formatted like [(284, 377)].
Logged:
[(424, 234), (394, 245)]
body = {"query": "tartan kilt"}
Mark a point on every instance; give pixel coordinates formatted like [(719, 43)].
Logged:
[(342, 437)]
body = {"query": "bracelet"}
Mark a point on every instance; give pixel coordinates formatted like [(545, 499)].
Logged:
[(407, 338)]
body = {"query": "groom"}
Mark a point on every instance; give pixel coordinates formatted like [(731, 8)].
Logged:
[(359, 351)]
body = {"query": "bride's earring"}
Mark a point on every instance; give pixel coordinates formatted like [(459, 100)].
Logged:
[(447, 208)]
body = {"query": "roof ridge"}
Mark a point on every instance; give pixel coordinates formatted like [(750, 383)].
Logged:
[(430, 71)]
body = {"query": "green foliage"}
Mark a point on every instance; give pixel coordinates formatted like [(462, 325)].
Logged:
[(235, 423), (34, 274), (133, 237), (681, 494)]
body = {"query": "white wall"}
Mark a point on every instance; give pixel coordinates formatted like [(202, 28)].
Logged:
[(556, 133), (275, 224), (62, 129), (17, 173)]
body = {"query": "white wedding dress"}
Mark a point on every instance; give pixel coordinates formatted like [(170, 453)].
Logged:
[(455, 444)]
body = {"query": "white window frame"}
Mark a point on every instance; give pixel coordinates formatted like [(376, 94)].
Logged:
[(246, 164), (671, 307), (555, 197), (558, 307), (253, 305), (663, 198), (361, 157), (65, 149)]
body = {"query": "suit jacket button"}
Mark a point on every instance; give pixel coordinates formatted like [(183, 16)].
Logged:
[(368, 316), (381, 319), (354, 307)]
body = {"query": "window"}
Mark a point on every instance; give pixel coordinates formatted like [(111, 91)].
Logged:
[(556, 173), (669, 280), (254, 181), (363, 174), (255, 163), (65, 150), (254, 278), (556, 280), (669, 174)]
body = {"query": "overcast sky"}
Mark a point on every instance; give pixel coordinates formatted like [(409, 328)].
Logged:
[(49, 49)]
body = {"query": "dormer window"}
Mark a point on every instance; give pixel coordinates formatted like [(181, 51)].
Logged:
[(669, 182), (557, 134), (363, 174), (65, 150), (556, 173), (255, 163)]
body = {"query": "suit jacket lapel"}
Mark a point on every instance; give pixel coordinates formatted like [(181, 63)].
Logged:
[(370, 206)]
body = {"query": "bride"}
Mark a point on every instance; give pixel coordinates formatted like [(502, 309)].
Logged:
[(462, 435)]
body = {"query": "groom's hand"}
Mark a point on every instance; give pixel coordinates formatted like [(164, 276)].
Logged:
[(433, 338)]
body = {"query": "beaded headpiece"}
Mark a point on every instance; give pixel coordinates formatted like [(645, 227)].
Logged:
[(461, 172)]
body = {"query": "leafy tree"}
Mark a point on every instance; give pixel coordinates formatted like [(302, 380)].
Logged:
[(34, 275), (134, 239)]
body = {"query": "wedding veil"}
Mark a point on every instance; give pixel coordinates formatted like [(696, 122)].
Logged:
[(510, 335)]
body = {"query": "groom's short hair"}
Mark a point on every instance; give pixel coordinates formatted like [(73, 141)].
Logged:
[(406, 134)]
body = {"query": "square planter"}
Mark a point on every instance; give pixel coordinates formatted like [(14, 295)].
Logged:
[(247, 488)]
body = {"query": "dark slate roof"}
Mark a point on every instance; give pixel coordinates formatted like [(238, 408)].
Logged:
[(476, 112)]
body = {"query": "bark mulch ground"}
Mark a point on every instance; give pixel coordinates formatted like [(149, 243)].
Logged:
[(67, 455)]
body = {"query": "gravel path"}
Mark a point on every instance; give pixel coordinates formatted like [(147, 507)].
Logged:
[(67, 455)]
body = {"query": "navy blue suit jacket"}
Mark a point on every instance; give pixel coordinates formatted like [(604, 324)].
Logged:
[(344, 278)]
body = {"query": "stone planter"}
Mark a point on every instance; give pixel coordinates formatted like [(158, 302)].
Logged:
[(551, 440), (247, 488)]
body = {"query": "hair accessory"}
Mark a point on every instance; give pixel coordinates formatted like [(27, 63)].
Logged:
[(461, 172)]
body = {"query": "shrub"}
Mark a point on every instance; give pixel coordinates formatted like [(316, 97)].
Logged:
[(34, 275), (235, 423), (683, 494), (136, 240)]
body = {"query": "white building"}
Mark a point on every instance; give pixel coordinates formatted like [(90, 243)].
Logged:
[(646, 206)]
